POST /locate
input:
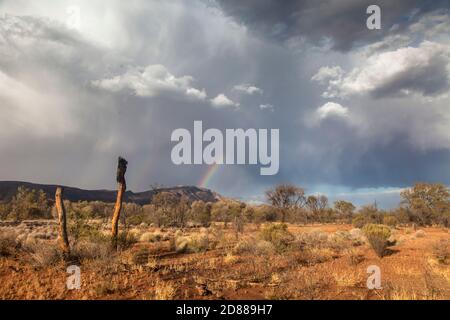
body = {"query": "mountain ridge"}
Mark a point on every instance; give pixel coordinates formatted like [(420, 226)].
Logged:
[(9, 188)]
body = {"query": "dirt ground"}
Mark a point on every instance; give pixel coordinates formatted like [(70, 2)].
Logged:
[(233, 269)]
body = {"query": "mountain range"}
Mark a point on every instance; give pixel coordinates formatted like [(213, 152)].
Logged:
[(9, 188)]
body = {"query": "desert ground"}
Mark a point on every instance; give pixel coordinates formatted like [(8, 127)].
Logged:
[(319, 261)]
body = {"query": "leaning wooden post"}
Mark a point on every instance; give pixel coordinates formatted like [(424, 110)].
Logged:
[(63, 238), (121, 188)]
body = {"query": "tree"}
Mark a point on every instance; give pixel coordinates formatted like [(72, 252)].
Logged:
[(29, 204), (249, 213), (345, 209), (371, 214), (220, 211), (427, 203), (170, 209), (317, 206), (201, 212), (286, 198)]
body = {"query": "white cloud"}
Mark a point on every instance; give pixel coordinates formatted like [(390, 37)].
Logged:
[(248, 89), (421, 70), (151, 81), (328, 73), (267, 107), (198, 94), (222, 101), (331, 109)]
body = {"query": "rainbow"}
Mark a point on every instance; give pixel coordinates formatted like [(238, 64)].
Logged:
[(207, 177)]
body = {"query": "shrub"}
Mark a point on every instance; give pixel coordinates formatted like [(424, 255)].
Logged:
[(278, 235), (91, 250), (194, 243), (441, 251), (355, 257), (201, 212), (136, 219), (311, 239), (150, 237), (44, 255), (419, 234), (29, 204), (140, 257), (390, 221), (359, 221), (319, 255), (8, 244), (377, 235), (125, 240), (254, 246)]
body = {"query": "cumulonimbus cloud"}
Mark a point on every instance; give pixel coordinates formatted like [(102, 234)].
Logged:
[(420, 70)]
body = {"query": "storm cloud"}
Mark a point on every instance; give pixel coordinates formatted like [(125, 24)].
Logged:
[(357, 109)]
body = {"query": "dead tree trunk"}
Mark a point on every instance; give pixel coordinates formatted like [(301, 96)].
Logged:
[(63, 238), (121, 188)]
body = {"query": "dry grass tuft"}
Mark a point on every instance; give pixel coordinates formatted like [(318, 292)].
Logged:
[(347, 278), (441, 251), (8, 244), (44, 255), (231, 259), (151, 237), (164, 290), (254, 246)]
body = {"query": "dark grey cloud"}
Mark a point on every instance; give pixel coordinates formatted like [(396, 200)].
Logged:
[(341, 21)]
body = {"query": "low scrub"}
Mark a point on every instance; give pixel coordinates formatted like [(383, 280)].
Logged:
[(378, 237), (390, 221), (44, 255), (441, 251), (194, 243), (8, 244), (86, 250), (419, 234), (254, 246), (125, 240), (151, 237), (278, 235)]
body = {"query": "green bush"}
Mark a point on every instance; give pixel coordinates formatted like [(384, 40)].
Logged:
[(278, 235), (359, 221), (377, 235), (125, 240), (136, 220), (28, 204)]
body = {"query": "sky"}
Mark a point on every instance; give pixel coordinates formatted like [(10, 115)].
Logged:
[(362, 113)]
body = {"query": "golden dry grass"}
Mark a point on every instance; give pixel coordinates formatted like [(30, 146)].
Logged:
[(334, 266)]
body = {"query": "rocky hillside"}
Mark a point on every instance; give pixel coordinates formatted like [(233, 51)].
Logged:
[(8, 190)]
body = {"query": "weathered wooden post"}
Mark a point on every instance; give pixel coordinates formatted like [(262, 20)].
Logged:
[(63, 238), (121, 188)]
